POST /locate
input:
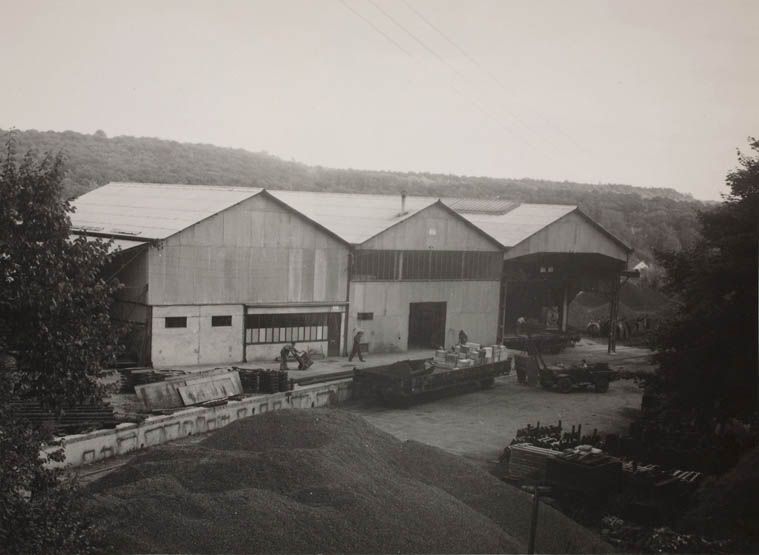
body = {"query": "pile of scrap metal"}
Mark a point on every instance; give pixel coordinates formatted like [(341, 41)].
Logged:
[(260, 380), (571, 462), (554, 437), (70, 419), (204, 388)]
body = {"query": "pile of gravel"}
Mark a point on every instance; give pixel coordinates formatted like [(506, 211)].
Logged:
[(318, 481)]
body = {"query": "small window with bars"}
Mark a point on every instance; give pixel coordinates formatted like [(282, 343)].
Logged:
[(175, 322)]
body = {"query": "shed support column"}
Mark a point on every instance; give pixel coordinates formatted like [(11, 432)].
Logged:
[(613, 312), (502, 316), (565, 308)]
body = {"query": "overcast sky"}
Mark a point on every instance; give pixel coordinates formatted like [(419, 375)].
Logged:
[(649, 93)]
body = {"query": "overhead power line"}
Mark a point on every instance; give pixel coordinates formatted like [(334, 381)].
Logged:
[(492, 118), (487, 71), (377, 29)]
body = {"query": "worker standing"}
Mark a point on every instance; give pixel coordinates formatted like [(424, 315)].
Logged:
[(358, 335), (463, 338)]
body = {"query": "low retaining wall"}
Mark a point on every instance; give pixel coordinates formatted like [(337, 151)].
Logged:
[(82, 449)]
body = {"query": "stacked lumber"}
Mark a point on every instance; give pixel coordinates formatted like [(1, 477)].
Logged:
[(72, 418), (529, 463)]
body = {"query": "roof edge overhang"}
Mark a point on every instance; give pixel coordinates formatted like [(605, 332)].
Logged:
[(106, 235)]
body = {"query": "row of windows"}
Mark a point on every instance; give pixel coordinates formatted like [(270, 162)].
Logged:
[(181, 321), (281, 328), (426, 265)]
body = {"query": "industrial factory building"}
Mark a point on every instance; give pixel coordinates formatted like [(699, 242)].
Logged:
[(229, 274)]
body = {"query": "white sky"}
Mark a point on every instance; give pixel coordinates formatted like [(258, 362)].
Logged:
[(644, 92)]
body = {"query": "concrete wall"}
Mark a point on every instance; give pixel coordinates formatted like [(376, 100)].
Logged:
[(256, 251), (471, 306), (84, 449), (570, 234), (199, 342), (432, 228)]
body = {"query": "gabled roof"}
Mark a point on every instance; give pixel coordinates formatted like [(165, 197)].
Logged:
[(353, 217), (518, 223), (148, 211)]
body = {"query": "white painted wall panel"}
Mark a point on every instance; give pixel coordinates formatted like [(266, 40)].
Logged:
[(470, 305)]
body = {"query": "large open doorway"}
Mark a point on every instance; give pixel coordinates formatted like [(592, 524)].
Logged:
[(333, 334), (426, 325)]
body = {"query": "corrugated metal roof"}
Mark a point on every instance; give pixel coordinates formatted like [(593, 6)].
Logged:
[(150, 210), (353, 217), (514, 226), (358, 217), (480, 205)]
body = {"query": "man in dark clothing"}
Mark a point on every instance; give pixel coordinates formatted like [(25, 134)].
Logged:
[(356, 350)]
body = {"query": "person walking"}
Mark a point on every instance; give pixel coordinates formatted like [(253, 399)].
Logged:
[(358, 335)]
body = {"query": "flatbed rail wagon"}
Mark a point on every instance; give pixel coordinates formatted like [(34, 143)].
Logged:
[(404, 382)]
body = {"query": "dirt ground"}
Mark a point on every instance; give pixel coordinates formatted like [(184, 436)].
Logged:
[(479, 425)]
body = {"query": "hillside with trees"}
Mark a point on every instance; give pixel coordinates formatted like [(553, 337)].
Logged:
[(647, 218)]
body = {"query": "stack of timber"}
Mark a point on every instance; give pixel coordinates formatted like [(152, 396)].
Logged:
[(529, 463), (72, 418), (132, 377), (585, 470)]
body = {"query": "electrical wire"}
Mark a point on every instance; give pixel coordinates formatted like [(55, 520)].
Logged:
[(489, 73)]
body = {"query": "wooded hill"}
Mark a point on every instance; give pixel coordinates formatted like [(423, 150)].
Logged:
[(647, 218)]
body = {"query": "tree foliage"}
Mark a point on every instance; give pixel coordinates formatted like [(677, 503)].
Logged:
[(56, 330), (709, 351)]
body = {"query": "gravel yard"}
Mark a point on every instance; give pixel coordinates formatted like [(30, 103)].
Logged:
[(480, 424)]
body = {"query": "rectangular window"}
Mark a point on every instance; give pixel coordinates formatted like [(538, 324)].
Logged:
[(426, 265), (281, 328), (375, 265), (221, 321), (365, 316), (175, 322)]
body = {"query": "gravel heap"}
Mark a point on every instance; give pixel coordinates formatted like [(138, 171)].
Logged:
[(305, 481)]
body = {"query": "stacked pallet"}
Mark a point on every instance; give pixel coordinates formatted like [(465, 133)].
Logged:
[(259, 380), (529, 463), (72, 418)]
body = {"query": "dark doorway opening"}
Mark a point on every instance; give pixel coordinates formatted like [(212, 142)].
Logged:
[(426, 325), (333, 334)]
